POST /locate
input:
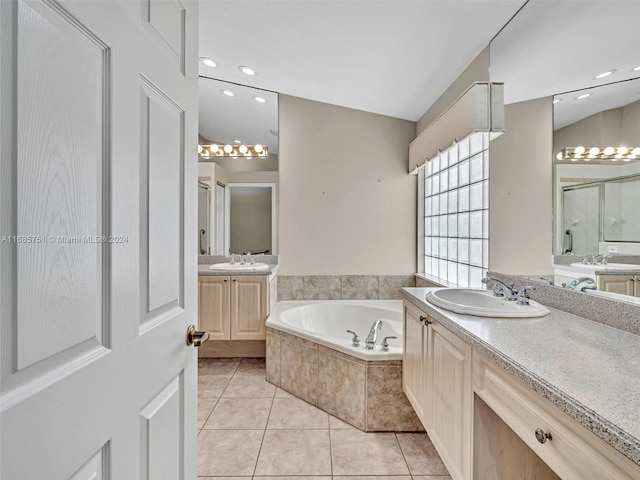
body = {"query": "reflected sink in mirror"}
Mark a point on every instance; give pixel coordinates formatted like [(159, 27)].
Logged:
[(482, 303), (239, 267), (608, 266)]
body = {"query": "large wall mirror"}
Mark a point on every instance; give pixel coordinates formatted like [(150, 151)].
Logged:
[(549, 50), (237, 169)]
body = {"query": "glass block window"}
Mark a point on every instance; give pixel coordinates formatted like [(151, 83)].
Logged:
[(456, 209)]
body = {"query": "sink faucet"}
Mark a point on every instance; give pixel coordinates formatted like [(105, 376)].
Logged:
[(500, 289), (371, 338), (588, 281)]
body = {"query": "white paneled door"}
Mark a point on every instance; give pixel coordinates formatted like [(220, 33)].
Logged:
[(98, 204)]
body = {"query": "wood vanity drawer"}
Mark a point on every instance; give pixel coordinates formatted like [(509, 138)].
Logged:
[(572, 451)]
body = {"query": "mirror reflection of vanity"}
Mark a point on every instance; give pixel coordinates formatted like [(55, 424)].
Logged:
[(237, 202)]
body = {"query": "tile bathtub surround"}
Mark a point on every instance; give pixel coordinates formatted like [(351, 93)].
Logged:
[(342, 287), (367, 395), (275, 436), (613, 313)]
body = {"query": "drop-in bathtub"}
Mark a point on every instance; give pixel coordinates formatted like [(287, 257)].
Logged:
[(326, 322), (310, 354)]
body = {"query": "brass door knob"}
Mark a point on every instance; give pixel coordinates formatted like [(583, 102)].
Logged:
[(194, 337)]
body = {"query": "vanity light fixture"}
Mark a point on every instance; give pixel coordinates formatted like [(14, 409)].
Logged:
[(599, 153), (605, 74), (208, 62), (228, 93), (259, 99), (234, 151), (247, 71), (584, 95)]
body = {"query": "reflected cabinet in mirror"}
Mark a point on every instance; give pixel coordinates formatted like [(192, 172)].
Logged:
[(237, 169), (594, 83)]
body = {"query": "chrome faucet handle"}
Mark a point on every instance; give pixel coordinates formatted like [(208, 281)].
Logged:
[(355, 341), (253, 261), (523, 296), (233, 259), (385, 343)]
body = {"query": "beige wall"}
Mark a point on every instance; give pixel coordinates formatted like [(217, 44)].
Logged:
[(347, 205), (477, 71), (520, 190)]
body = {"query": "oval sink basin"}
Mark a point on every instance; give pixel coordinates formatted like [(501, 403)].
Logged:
[(482, 303), (608, 266), (238, 267)]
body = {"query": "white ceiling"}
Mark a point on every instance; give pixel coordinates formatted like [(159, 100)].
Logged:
[(395, 57), (557, 46), (392, 57)]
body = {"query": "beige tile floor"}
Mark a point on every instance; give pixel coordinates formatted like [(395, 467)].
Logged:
[(249, 429)]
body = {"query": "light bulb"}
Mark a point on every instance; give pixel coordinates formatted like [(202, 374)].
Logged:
[(247, 71), (228, 148), (214, 148), (609, 150), (208, 62), (258, 148), (579, 150), (622, 150), (594, 151), (559, 156), (636, 151), (243, 149), (199, 148)]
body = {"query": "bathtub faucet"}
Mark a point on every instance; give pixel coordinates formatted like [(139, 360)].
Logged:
[(371, 338)]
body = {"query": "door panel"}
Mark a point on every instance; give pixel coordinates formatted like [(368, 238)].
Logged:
[(162, 138), (60, 275), (160, 447), (91, 370)]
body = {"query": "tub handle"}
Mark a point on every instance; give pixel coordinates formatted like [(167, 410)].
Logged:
[(385, 343), (355, 341)]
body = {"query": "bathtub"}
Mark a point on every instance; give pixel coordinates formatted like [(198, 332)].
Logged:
[(309, 354), (326, 322)]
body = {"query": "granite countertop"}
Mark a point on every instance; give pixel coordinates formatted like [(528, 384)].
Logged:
[(588, 370), (203, 269)]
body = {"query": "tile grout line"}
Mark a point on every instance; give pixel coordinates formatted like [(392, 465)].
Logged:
[(264, 432), (395, 434)]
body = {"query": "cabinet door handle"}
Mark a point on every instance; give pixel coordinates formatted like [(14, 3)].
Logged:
[(225, 280), (234, 280), (425, 320), (542, 436)]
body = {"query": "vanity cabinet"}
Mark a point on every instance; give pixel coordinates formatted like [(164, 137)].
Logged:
[(514, 432), (413, 360), (567, 447), (623, 284), (233, 307), (436, 373)]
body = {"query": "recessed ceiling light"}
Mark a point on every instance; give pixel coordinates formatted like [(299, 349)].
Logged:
[(228, 93), (584, 95), (247, 71), (259, 99), (237, 141), (208, 62), (637, 69), (557, 100), (604, 74)]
